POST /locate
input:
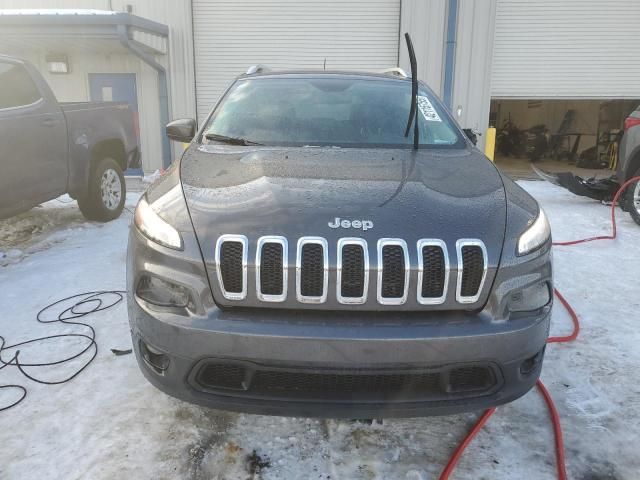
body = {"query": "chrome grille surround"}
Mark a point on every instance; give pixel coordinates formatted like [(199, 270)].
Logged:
[(324, 265), (365, 252), (245, 252), (302, 241), (469, 242), (429, 242), (285, 268), (383, 242)]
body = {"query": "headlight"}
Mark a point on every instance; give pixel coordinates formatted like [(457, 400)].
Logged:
[(535, 236), (155, 228)]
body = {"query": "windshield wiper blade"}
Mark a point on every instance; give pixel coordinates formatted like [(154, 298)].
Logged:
[(230, 140), (413, 114)]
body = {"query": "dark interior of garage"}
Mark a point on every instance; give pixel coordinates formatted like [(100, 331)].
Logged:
[(576, 135)]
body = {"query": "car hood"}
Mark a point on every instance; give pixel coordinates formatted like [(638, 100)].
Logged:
[(446, 194)]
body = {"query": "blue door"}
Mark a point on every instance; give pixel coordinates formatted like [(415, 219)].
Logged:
[(117, 87)]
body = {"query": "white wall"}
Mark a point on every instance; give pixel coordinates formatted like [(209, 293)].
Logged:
[(425, 21)]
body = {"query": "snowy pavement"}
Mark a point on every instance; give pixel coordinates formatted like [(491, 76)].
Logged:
[(109, 422)]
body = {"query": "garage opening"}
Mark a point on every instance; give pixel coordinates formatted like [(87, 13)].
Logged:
[(562, 135)]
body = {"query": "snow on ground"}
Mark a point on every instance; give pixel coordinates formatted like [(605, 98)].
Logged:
[(109, 422), (27, 229)]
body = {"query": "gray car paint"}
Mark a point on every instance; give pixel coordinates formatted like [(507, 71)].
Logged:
[(295, 192), (447, 194), (46, 148)]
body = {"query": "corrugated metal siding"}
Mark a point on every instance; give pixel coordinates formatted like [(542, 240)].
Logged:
[(425, 22), (472, 81), (567, 49), (229, 36)]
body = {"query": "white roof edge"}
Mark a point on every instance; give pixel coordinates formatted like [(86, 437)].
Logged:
[(55, 11)]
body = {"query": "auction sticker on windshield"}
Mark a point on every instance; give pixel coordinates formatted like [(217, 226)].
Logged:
[(428, 112)]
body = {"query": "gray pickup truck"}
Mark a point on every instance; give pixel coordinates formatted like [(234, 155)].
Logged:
[(49, 148)]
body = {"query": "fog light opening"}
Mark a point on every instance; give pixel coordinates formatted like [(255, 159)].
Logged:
[(531, 364), (530, 298), (162, 292), (157, 360)]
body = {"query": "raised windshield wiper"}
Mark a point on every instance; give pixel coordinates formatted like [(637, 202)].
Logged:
[(413, 114), (230, 140)]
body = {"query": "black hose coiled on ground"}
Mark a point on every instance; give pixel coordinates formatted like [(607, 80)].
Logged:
[(68, 311)]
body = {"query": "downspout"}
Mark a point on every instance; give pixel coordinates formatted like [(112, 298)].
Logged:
[(450, 53), (163, 91)]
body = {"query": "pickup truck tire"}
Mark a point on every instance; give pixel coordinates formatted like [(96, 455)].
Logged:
[(632, 197), (106, 195)]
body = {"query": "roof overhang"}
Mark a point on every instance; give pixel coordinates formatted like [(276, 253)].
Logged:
[(73, 30)]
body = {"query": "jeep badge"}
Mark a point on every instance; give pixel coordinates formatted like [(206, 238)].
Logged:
[(363, 224)]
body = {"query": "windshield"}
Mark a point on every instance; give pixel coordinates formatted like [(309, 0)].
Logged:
[(344, 112)]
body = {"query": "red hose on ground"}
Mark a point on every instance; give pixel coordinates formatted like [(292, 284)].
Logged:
[(557, 430), (555, 417), (574, 319), (455, 458)]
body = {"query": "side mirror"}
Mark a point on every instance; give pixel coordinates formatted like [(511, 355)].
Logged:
[(182, 130), (471, 134)]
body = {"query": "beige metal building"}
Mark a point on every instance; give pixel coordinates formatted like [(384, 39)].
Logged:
[(469, 51)]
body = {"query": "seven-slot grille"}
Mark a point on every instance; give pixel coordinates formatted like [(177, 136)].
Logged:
[(352, 270)]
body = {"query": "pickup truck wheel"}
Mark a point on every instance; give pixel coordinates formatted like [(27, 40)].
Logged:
[(633, 199), (107, 191)]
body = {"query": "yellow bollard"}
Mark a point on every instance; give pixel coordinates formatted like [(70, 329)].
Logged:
[(490, 143)]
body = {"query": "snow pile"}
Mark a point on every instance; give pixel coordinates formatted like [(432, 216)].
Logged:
[(20, 234)]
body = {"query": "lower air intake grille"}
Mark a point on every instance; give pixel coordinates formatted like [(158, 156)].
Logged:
[(472, 270), (469, 379), (433, 271), (346, 385), (352, 271), (222, 375), (271, 269), (393, 271), (312, 270), (231, 266)]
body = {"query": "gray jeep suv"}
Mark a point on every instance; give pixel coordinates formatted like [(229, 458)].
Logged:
[(306, 258)]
